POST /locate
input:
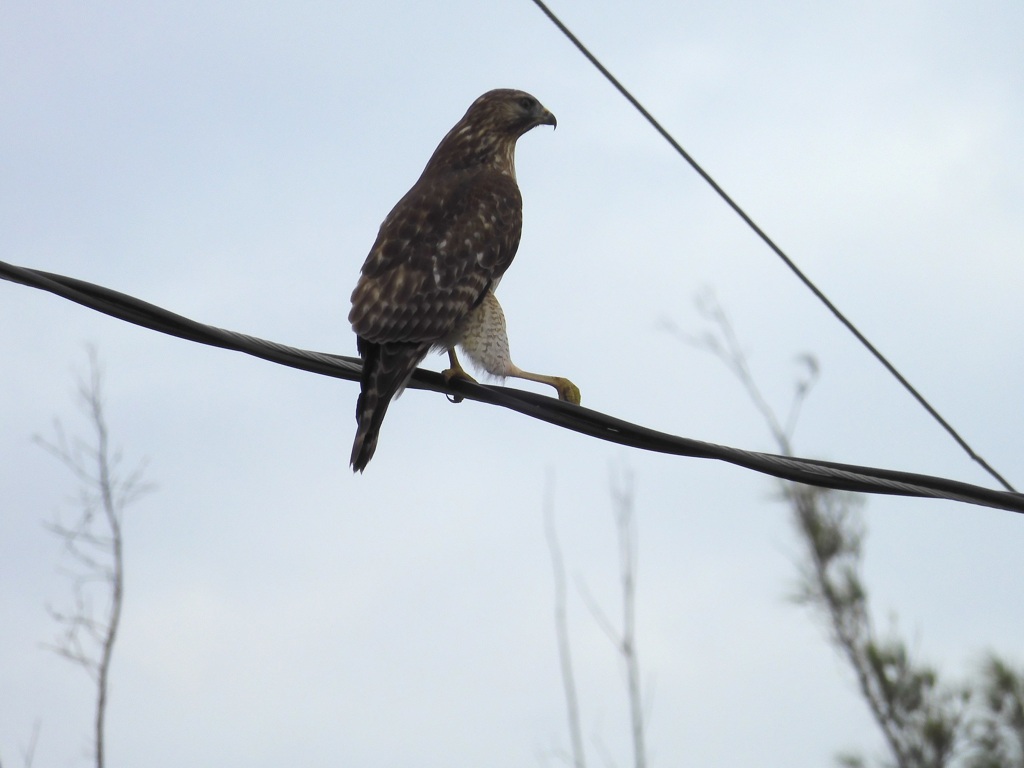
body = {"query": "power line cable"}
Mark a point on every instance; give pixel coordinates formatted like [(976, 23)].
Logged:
[(771, 244), (825, 474)]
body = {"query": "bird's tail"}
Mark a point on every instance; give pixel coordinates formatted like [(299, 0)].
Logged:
[(386, 369)]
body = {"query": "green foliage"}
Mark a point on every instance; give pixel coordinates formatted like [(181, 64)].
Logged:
[(996, 728), (926, 722)]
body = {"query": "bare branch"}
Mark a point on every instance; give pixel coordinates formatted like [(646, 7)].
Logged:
[(625, 641), (723, 343), (94, 543), (625, 520), (599, 616), (28, 754), (562, 629)]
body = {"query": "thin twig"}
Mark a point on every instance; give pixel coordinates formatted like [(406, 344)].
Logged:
[(97, 552), (562, 629)]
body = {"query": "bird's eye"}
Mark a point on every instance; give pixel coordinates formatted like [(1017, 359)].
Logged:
[(526, 102)]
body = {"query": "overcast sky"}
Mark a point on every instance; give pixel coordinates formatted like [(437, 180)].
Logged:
[(232, 162)]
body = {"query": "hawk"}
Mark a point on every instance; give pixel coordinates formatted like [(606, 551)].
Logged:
[(429, 279)]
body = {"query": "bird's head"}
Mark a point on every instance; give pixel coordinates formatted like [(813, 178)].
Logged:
[(487, 133), (509, 111)]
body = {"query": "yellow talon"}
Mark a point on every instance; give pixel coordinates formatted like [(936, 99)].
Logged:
[(567, 391), (455, 372)]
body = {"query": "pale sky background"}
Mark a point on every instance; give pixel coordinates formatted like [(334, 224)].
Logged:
[(232, 162)]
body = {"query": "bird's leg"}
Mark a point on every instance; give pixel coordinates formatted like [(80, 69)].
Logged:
[(567, 391), (455, 371), (485, 341)]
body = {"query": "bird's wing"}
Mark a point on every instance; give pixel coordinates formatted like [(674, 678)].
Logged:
[(435, 256)]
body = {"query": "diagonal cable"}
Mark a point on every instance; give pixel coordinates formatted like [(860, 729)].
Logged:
[(826, 474), (771, 244)]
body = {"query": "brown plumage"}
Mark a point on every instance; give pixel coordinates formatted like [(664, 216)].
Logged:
[(439, 253)]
